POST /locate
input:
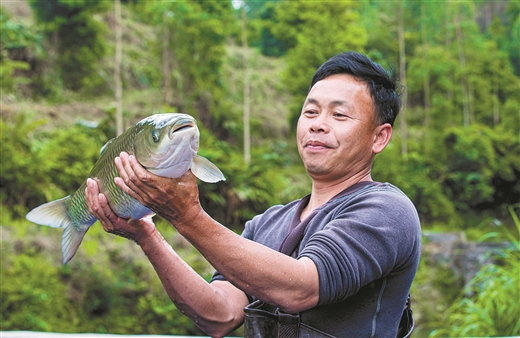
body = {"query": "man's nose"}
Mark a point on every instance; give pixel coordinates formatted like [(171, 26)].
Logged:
[(320, 124)]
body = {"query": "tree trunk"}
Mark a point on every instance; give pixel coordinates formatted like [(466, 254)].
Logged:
[(166, 60), (462, 63), (247, 90), (496, 100), (402, 76), (449, 93), (117, 69), (426, 82)]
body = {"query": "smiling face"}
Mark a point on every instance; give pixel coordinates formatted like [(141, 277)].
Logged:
[(337, 134)]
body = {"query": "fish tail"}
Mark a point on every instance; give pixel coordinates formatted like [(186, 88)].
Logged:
[(70, 242), (54, 214)]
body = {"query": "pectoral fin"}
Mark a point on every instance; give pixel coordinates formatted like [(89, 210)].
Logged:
[(206, 171)]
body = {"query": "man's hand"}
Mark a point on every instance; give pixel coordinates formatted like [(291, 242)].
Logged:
[(98, 206), (173, 199)]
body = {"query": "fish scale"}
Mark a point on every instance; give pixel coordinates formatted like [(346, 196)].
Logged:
[(77, 207), (165, 144)]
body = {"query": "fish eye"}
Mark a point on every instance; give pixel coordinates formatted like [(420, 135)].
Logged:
[(155, 136)]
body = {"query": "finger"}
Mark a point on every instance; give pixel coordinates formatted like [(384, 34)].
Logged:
[(133, 174), (130, 191), (106, 216), (91, 192), (136, 173), (98, 205), (124, 181), (141, 173), (121, 167)]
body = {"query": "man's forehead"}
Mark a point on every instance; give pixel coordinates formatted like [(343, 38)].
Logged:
[(332, 103), (342, 86)]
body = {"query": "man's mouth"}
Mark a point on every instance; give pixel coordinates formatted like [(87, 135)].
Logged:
[(316, 144)]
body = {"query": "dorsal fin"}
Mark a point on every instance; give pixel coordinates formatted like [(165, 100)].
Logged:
[(103, 148)]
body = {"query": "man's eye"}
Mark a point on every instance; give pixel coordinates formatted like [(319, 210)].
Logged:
[(310, 112)]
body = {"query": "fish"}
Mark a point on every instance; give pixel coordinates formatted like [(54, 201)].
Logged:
[(164, 144)]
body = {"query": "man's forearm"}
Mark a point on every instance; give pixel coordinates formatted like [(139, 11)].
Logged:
[(214, 311), (252, 267)]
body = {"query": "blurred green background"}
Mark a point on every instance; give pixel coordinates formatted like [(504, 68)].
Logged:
[(243, 70)]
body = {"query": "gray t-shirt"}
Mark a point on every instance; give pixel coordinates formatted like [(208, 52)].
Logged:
[(366, 246)]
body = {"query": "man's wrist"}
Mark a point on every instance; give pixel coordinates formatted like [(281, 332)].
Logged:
[(189, 218), (148, 238)]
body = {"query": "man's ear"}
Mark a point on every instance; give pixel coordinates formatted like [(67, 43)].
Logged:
[(382, 135)]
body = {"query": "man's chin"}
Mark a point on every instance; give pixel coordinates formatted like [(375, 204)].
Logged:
[(317, 169)]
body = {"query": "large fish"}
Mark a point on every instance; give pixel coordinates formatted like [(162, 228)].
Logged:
[(165, 144)]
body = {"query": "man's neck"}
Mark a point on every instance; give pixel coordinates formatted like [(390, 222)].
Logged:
[(324, 191)]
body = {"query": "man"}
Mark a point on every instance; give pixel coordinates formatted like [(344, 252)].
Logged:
[(352, 246)]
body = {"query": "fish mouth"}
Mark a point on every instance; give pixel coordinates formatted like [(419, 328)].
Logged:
[(181, 125)]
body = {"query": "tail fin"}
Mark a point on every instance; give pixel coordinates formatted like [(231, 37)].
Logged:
[(54, 214), (70, 242)]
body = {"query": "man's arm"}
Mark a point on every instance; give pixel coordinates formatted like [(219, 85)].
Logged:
[(216, 308), (291, 284)]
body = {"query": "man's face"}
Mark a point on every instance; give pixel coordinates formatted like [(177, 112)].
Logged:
[(336, 129)]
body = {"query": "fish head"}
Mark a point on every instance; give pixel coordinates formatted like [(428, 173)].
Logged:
[(166, 144)]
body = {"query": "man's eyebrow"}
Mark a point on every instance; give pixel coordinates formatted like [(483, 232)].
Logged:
[(332, 103), (311, 100), (336, 103)]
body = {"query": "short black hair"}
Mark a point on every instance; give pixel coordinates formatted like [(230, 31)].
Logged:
[(383, 87)]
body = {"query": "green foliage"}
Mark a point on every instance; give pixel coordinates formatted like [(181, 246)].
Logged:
[(476, 168), (113, 290), (197, 33), (19, 164), (482, 164), (15, 38), (77, 37), (269, 44), (27, 305), (418, 177), (313, 32), (271, 178), (36, 170), (435, 287), (489, 305), (66, 164)]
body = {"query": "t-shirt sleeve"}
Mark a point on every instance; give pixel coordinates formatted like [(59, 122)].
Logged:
[(371, 237)]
